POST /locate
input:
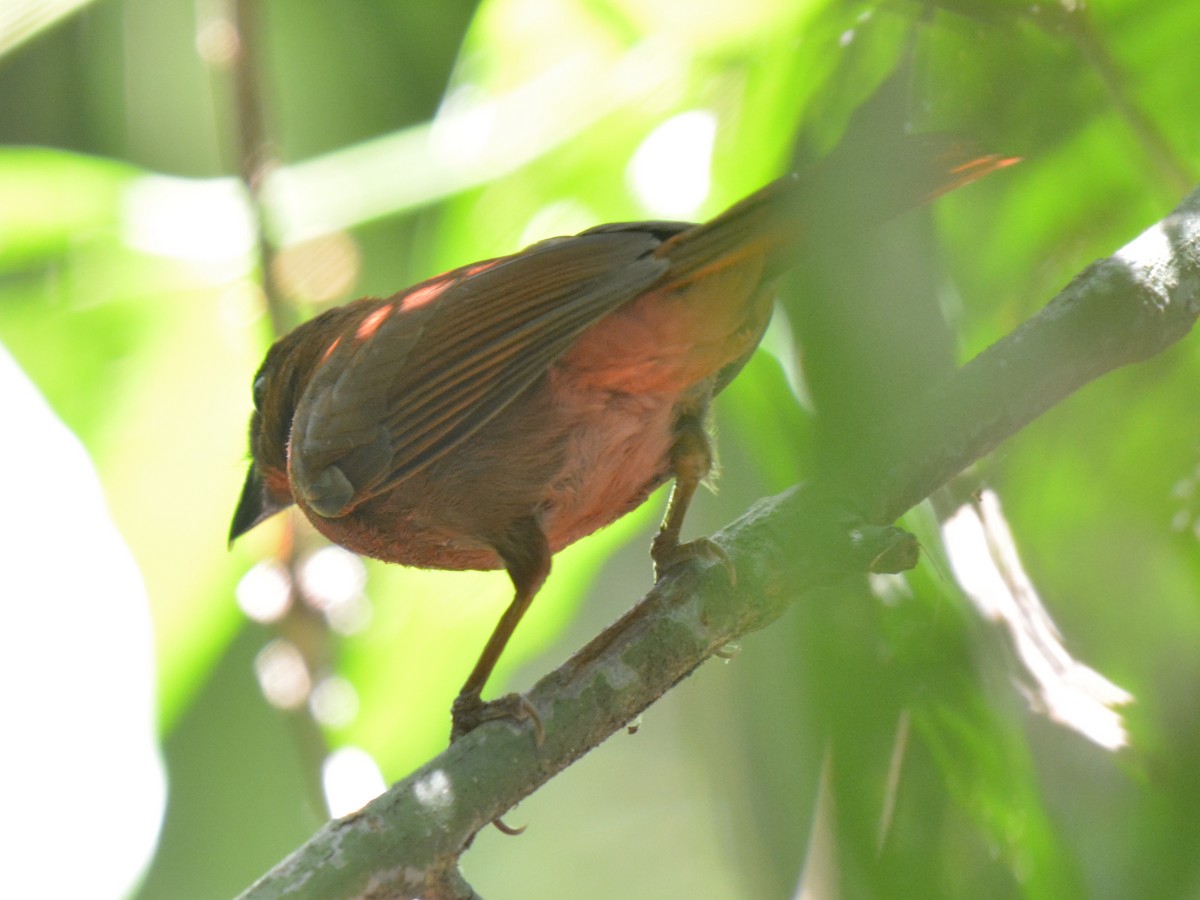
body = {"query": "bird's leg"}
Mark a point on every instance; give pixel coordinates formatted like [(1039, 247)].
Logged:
[(691, 461), (527, 557)]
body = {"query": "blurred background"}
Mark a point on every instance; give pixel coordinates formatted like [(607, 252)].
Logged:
[(182, 716)]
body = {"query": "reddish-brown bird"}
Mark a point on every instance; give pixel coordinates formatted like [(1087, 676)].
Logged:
[(490, 416)]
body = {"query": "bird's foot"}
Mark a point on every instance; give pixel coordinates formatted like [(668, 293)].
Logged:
[(668, 553), (469, 712)]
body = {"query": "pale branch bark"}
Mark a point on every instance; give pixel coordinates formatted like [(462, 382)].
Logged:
[(407, 842)]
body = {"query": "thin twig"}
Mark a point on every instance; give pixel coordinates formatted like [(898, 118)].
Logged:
[(302, 626), (1075, 20), (256, 156)]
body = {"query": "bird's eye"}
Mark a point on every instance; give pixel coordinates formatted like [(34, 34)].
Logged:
[(258, 391)]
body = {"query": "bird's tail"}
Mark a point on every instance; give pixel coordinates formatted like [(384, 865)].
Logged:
[(843, 194)]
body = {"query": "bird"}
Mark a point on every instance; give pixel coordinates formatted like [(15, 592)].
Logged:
[(490, 416)]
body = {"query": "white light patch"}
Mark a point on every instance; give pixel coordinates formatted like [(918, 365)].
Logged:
[(351, 780), (333, 702), (434, 790), (984, 558), (1152, 244), (264, 593), (207, 222), (671, 171), (1150, 250), (465, 127), (77, 671), (282, 674), (332, 580)]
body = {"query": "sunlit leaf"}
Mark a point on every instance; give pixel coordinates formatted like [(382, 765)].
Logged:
[(22, 20)]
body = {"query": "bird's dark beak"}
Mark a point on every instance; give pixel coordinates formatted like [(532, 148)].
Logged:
[(254, 506)]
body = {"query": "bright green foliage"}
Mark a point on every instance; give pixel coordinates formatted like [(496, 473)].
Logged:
[(427, 135)]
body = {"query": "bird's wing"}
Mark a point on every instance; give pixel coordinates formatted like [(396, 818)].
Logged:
[(425, 369)]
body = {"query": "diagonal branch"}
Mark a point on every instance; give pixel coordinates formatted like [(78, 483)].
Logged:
[(406, 843)]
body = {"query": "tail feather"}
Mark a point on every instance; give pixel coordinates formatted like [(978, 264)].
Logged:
[(777, 221)]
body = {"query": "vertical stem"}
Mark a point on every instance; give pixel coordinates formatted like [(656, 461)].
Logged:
[(1073, 19), (303, 626), (256, 156)]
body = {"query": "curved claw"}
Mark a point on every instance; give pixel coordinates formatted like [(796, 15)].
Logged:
[(728, 651), (503, 828), (469, 712)]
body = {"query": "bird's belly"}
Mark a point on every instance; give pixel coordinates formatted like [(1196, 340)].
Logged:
[(616, 455), (573, 460), (409, 534)]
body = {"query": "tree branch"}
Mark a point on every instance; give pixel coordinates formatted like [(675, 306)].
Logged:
[(1119, 310), (406, 843)]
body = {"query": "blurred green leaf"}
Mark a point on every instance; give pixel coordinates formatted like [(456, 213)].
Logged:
[(54, 202), (128, 296), (22, 20), (123, 343)]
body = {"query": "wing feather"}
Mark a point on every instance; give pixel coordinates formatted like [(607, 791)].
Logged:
[(410, 382)]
